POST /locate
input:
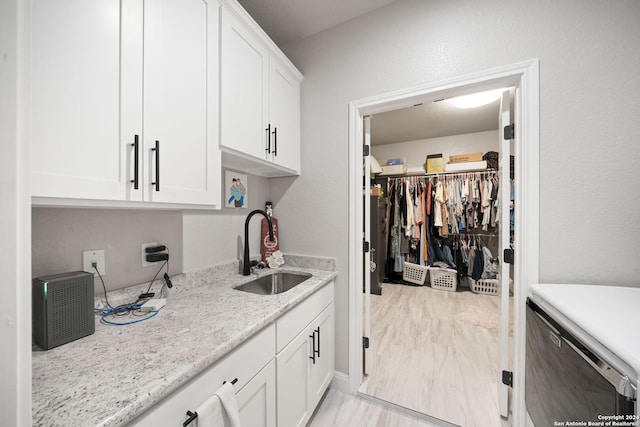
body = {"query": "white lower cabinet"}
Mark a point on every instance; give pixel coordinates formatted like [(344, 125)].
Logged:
[(252, 364), (282, 371), (257, 399), (305, 365)]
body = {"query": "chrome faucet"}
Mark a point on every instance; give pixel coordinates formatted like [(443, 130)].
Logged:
[(246, 263)]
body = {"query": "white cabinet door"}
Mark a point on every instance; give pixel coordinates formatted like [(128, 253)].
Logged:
[(243, 96), (305, 363), (257, 399), (321, 372), (180, 101), (292, 367), (75, 105), (96, 67), (284, 115)]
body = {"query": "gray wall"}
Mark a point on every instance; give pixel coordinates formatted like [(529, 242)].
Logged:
[(589, 136), (59, 235)]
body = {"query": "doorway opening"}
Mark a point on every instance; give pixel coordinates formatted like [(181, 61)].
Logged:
[(524, 78), (434, 303)]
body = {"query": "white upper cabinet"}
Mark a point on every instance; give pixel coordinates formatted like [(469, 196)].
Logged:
[(260, 100), (75, 104), (244, 89), (284, 115), (180, 86), (110, 79)]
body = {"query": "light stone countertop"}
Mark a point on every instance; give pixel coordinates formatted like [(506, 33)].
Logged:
[(115, 374)]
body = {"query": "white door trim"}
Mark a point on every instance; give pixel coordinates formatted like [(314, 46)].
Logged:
[(524, 75)]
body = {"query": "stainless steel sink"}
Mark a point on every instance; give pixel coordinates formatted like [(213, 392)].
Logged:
[(275, 283)]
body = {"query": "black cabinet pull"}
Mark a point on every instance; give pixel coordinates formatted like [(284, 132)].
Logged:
[(136, 158), (268, 130), (275, 141), (318, 330), (157, 150), (313, 353), (192, 416)]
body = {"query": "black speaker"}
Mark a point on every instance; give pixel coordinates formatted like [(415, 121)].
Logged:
[(63, 308)]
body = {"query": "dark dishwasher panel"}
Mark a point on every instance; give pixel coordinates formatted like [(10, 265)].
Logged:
[(566, 381)]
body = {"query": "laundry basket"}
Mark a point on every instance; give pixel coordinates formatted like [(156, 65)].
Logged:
[(414, 273), (445, 279), (485, 286)]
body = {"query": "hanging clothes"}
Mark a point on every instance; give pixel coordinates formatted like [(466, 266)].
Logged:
[(432, 219)]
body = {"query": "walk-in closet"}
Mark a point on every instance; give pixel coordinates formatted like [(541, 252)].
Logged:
[(440, 224)]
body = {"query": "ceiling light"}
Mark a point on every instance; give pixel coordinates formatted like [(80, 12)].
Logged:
[(477, 99)]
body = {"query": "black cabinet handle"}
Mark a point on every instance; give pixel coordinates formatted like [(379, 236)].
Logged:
[(157, 150), (136, 158), (275, 141), (192, 416), (268, 130), (318, 330), (313, 353)]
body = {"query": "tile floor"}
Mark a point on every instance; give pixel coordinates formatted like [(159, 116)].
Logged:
[(434, 352)]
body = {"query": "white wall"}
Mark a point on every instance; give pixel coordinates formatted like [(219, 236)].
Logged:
[(15, 218), (212, 237), (589, 137), (60, 235), (415, 152)]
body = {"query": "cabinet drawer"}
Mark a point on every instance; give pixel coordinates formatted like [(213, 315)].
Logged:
[(243, 363), (290, 325)]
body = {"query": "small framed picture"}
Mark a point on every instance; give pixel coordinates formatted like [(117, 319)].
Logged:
[(235, 190)]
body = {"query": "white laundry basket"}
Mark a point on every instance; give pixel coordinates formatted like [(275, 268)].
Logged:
[(445, 279), (485, 286), (414, 273)]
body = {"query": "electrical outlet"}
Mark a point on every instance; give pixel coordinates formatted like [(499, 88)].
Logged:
[(95, 256), (144, 254)]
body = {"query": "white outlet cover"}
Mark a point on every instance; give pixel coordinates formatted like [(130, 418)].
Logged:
[(97, 256), (144, 254)]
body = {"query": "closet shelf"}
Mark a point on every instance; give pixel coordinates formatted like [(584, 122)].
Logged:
[(437, 174)]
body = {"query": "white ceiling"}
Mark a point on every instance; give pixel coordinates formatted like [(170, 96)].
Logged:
[(432, 120), (288, 21)]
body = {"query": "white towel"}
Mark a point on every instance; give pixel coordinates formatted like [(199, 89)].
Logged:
[(221, 409)]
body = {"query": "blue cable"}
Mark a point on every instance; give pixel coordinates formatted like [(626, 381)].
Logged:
[(104, 320), (120, 309)]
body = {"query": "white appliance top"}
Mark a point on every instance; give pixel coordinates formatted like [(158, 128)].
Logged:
[(607, 317)]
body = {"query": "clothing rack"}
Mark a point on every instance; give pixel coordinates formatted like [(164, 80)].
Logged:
[(478, 174)]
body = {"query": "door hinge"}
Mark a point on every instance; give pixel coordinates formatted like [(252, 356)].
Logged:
[(507, 378), (509, 131), (365, 342), (365, 246), (365, 150), (509, 255)]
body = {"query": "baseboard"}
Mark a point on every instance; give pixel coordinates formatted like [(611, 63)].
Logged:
[(340, 382)]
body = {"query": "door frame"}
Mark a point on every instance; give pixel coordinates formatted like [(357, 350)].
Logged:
[(523, 75)]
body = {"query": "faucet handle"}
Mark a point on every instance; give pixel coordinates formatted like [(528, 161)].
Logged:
[(253, 265)]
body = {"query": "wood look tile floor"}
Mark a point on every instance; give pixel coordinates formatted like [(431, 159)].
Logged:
[(436, 352), (344, 410)]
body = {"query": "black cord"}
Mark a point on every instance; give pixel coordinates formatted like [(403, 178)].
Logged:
[(154, 277), (103, 287)]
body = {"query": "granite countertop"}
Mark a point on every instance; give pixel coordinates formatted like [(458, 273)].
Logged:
[(605, 317), (115, 374)]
